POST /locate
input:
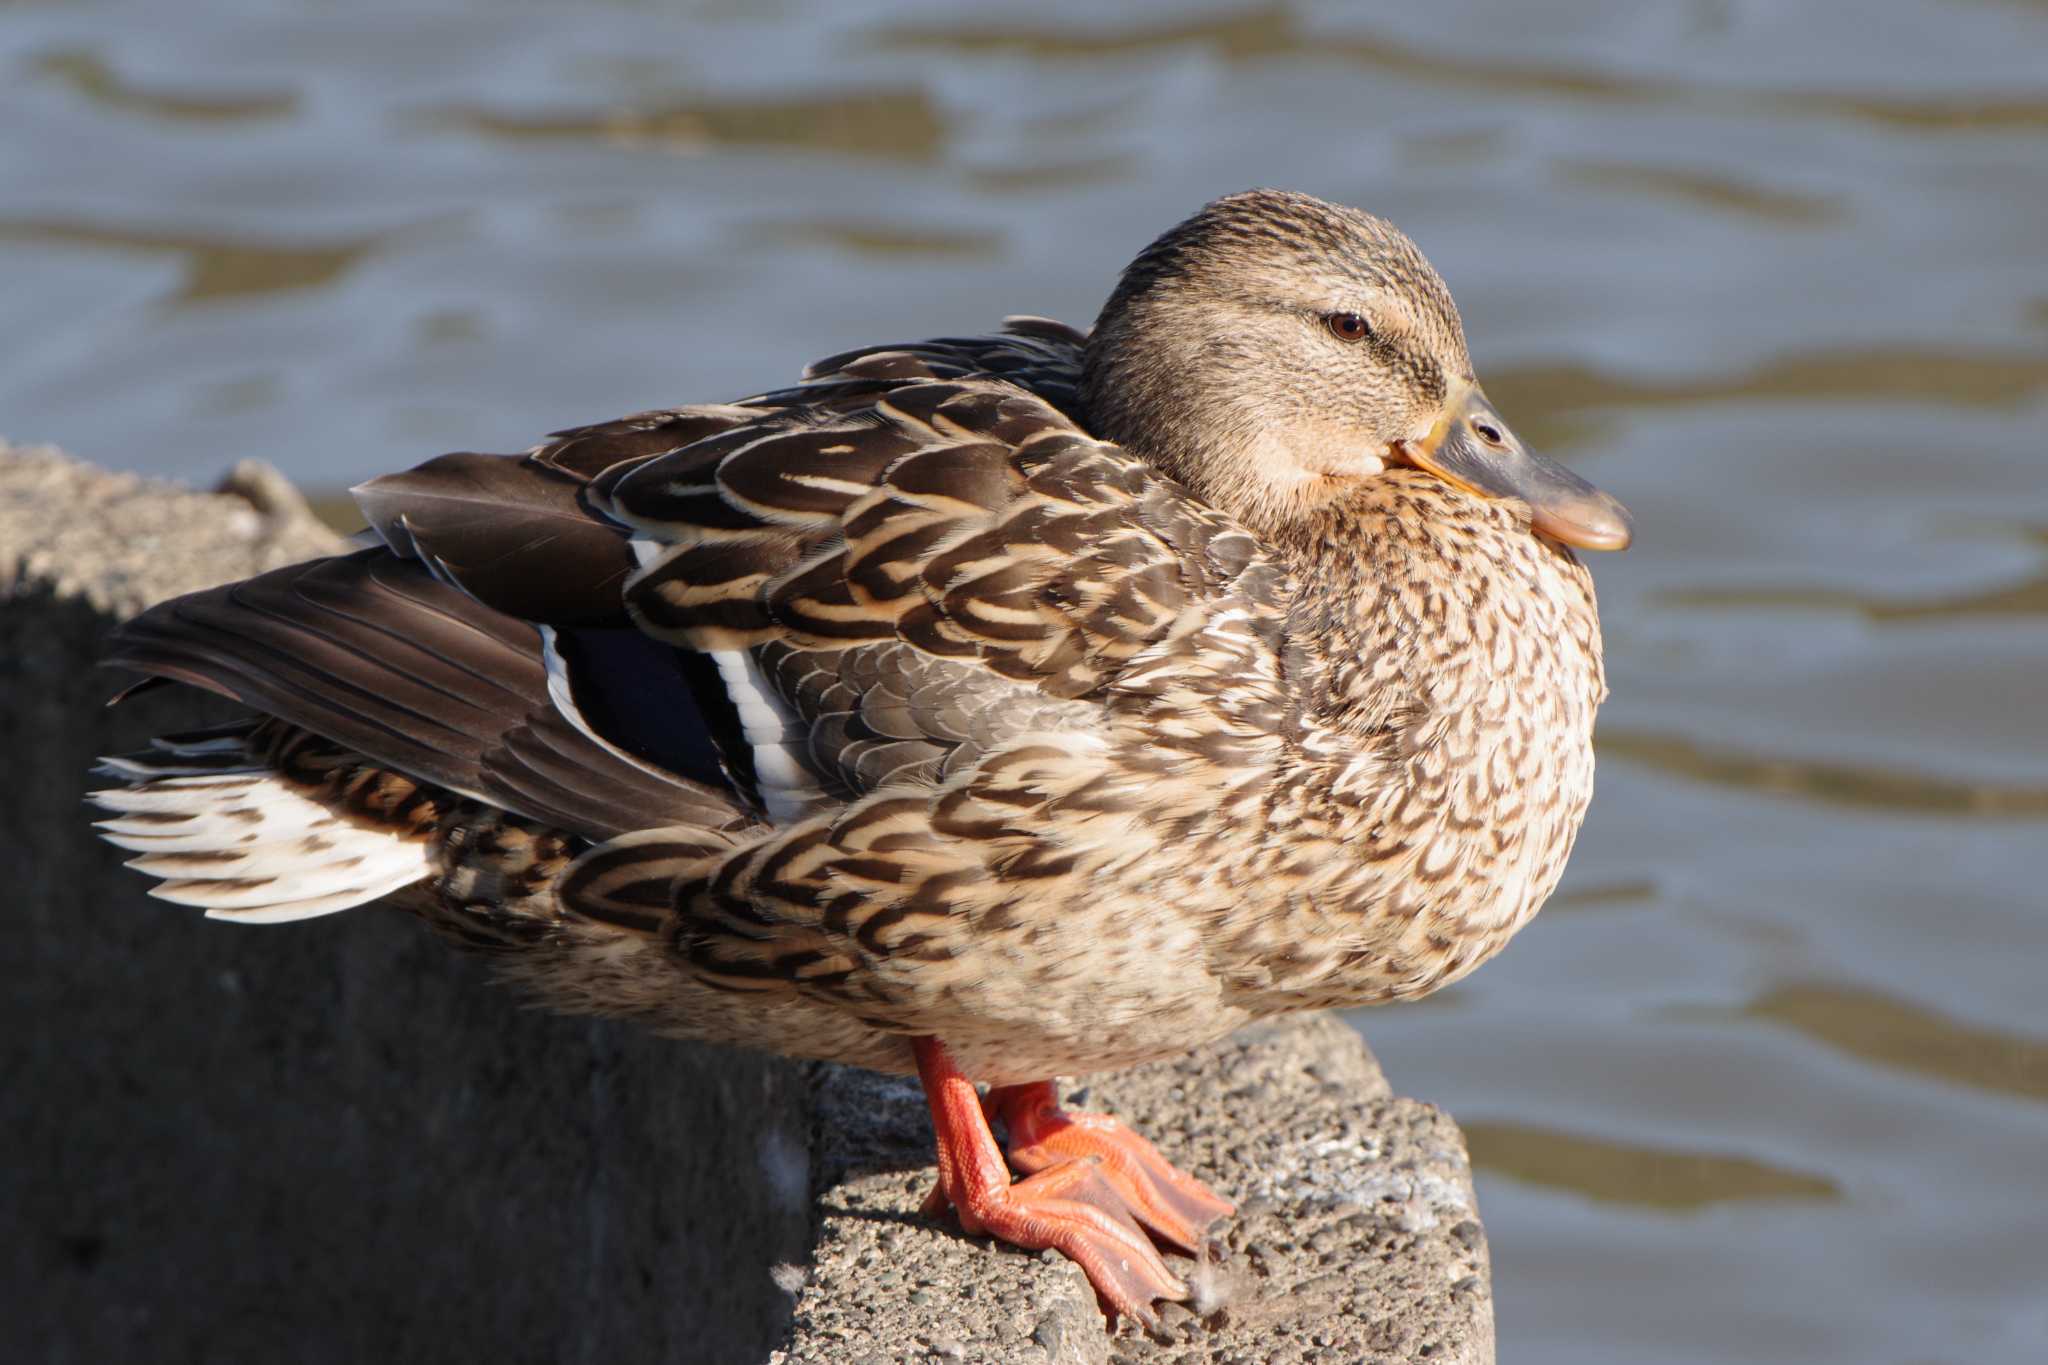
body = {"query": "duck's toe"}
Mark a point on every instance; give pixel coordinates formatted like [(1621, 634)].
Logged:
[(1171, 1204), (1075, 1205), (1073, 1209)]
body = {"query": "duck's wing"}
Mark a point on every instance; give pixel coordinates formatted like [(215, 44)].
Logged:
[(1038, 355), (759, 610), (968, 519), (372, 652), (909, 579), (915, 554), (518, 533), (484, 646)]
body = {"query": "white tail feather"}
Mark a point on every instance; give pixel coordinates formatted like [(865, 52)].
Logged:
[(135, 770), (293, 910), (179, 795), (234, 826), (308, 854), (246, 846)]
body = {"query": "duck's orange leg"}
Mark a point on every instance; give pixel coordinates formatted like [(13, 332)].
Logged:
[(1172, 1204), (1066, 1205)]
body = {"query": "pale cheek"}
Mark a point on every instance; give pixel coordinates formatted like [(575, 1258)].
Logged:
[(1302, 455), (1364, 466)]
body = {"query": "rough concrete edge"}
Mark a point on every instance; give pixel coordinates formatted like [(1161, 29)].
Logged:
[(260, 522), (1356, 1239)]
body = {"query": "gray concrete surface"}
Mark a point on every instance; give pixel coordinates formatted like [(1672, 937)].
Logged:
[(1356, 1238), (336, 1141)]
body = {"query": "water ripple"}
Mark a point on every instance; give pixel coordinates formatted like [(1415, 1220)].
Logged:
[(1624, 1173), (1275, 31), (87, 74), (896, 124), (1839, 784), (1883, 1029)]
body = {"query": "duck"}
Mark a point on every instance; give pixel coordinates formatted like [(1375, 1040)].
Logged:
[(987, 709)]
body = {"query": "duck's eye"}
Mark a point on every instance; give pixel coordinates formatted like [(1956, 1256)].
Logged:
[(1347, 326)]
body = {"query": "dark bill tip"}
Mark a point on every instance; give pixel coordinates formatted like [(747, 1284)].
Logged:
[(1598, 522)]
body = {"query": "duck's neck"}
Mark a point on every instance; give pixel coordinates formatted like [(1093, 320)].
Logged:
[(1274, 483)]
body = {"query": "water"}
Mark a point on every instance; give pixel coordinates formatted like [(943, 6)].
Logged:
[(1769, 1081)]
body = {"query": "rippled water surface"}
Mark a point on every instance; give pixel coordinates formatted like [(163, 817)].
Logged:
[(1769, 1080)]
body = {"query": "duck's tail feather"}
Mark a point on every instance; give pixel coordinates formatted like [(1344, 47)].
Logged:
[(262, 823)]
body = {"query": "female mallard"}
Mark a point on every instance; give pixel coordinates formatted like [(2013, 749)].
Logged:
[(991, 708)]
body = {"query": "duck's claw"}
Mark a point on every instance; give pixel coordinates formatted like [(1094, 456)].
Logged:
[(1170, 1203), (1072, 1209), (1071, 1204)]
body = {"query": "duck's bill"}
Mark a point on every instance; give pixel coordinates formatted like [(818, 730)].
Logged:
[(1474, 449)]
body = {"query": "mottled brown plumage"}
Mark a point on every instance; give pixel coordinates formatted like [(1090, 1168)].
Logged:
[(993, 707)]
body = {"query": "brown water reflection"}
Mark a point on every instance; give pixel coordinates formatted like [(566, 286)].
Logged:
[(2020, 599), (1891, 1032), (877, 239), (2026, 598), (1275, 31), (1647, 1177), (1721, 193), (1564, 405), (1009, 178), (2004, 380), (1600, 896), (897, 124), (338, 510), (1842, 784), (85, 72), (215, 267)]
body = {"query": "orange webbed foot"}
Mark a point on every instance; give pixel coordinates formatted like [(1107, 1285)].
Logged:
[(1171, 1204), (1074, 1204)]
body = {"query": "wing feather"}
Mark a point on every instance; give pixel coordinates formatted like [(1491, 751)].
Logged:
[(908, 514), (374, 653)]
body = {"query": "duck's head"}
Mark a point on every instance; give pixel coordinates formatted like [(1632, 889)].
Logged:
[(1274, 349)]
